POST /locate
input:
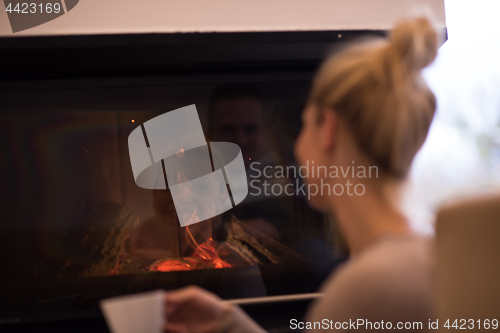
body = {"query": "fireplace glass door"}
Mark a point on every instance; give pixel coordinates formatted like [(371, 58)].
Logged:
[(77, 228)]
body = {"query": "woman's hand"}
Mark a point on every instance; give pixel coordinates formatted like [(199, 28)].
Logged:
[(195, 310)]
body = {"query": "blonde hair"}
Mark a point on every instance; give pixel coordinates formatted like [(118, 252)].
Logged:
[(377, 88)]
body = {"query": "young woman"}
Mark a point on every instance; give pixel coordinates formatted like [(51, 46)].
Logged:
[(369, 107)]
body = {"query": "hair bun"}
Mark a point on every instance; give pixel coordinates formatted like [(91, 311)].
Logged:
[(415, 42)]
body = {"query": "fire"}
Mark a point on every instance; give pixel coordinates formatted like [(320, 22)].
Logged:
[(198, 237), (207, 252), (204, 256), (174, 265)]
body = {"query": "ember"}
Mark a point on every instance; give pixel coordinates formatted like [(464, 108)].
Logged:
[(204, 256)]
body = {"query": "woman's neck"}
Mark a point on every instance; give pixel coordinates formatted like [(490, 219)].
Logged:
[(365, 219)]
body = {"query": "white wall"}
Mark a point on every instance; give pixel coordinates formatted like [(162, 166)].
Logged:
[(132, 16)]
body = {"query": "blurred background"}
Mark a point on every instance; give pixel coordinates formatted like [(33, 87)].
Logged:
[(461, 157)]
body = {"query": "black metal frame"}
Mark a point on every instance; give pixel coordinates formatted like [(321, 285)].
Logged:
[(86, 56)]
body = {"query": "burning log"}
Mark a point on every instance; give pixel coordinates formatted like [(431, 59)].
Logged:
[(97, 243), (234, 244), (252, 245), (113, 249), (205, 256), (242, 245)]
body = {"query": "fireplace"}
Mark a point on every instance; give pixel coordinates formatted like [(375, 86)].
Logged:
[(76, 228)]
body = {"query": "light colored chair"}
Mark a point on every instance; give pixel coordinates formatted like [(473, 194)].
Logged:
[(468, 262)]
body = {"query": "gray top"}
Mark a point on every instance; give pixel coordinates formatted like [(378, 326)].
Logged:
[(390, 281)]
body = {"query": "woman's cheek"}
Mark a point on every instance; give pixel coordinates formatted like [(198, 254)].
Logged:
[(304, 146)]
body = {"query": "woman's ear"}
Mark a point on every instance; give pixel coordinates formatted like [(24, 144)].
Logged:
[(328, 130)]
